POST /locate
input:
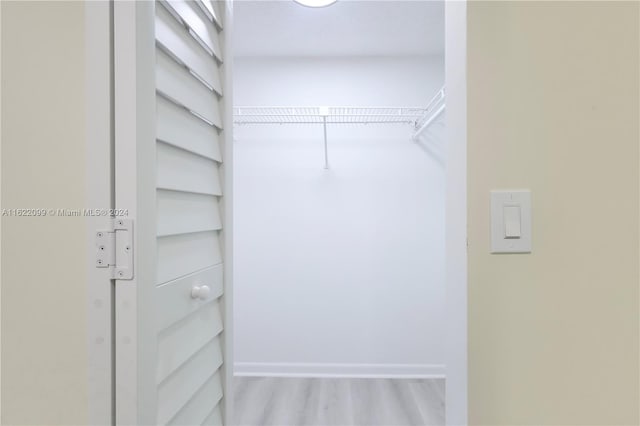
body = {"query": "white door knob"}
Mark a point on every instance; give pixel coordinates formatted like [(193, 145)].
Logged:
[(200, 292)]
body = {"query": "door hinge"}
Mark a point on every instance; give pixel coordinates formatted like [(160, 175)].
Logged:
[(114, 248)]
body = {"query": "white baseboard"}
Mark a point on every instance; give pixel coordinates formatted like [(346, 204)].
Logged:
[(407, 371)]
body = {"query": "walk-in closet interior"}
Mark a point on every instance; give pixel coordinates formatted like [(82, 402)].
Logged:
[(339, 213)]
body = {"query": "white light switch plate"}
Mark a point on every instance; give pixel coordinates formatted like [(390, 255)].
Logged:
[(502, 240)]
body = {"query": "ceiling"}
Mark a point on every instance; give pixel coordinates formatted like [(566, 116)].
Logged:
[(346, 28)]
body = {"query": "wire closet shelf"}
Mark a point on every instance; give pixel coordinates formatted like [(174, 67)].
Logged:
[(333, 115), (418, 118)]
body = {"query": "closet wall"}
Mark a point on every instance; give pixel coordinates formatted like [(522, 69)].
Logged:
[(338, 271)]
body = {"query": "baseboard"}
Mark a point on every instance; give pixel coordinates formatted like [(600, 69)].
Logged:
[(266, 369)]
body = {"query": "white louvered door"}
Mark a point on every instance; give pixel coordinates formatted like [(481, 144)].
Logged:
[(172, 321)]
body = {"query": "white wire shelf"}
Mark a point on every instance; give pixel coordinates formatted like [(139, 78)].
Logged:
[(333, 115), (418, 118)]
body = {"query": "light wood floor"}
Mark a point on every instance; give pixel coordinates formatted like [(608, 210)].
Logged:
[(263, 401)]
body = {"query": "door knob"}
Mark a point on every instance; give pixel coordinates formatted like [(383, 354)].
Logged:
[(200, 292)]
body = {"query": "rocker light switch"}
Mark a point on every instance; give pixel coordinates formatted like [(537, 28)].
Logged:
[(510, 222)]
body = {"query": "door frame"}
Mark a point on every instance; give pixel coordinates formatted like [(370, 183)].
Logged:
[(456, 212), (115, 94), (99, 195), (100, 157)]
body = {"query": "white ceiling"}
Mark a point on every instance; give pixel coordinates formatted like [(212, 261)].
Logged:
[(346, 28)]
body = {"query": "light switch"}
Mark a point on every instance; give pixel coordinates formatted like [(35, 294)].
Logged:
[(511, 221)]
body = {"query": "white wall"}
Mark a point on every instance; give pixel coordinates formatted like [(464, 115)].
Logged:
[(554, 335), (338, 271), (44, 321)]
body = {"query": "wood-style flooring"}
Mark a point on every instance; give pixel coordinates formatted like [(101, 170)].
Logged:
[(271, 401)]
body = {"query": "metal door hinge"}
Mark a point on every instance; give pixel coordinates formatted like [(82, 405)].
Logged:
[(114, 248)]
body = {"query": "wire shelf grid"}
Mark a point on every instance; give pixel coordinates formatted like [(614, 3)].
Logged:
[(333, 115), (418, 118)]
